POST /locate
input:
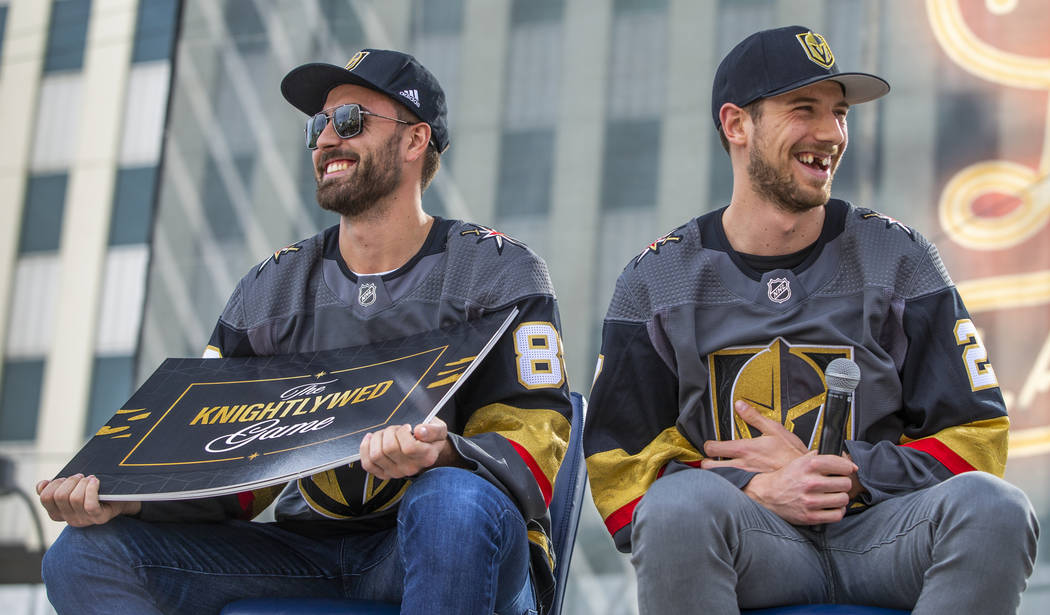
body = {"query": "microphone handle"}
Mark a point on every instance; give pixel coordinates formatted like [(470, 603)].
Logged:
[(836, 409), (833, 436)]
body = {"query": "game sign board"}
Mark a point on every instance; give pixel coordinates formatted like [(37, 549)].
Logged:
[(205, 427)]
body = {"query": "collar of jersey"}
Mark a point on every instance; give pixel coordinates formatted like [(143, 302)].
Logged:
[(713, 236), (434, 244)]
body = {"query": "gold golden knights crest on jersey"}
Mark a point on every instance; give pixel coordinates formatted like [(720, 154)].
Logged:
[(784, 382)]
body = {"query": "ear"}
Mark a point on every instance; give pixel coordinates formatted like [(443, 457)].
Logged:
[(417, 140), (735, 123)]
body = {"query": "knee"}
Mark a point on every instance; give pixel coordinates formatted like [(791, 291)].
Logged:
[(78, 551), (992, 504), (675, 501), (454, 500)]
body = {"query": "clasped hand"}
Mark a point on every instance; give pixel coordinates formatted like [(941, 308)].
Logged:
[(797, 484)]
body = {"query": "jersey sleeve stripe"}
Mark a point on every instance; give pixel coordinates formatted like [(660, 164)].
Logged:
[(541, 479), (619, 519), (940, 451), (539, 436), (619, 479), (980, 445)]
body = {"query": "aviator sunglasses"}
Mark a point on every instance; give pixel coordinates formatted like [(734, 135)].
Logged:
[(346, 120)]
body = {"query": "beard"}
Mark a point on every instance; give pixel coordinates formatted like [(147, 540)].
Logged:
[(780, 186), (374, 178)]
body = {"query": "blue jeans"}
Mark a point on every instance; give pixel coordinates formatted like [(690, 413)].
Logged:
[(460, 546), (701, 545)]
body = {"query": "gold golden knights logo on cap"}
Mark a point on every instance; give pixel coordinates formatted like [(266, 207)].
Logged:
[(782, 381), (354, 61), (816, 49)]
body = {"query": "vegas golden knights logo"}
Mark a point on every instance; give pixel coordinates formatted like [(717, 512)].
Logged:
[(354, 61), (816, 49), (782, 381)]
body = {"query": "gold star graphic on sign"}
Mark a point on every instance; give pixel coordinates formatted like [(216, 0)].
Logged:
[(320, 374), (253, 456)]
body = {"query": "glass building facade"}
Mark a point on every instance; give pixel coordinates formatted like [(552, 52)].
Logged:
[(581, 127)]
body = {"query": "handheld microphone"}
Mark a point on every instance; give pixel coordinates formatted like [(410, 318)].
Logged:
[(842, 377)]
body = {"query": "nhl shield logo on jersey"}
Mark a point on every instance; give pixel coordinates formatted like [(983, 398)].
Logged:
[(782, 381), (366, 294), (779, 290)]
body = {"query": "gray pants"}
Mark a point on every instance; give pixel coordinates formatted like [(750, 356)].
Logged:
[(964, 546)]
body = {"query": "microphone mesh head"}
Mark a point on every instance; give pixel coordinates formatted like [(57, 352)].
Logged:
[(842, 375)]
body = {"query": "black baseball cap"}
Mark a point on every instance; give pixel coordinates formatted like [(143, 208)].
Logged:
[(395, 74), (773, 62)]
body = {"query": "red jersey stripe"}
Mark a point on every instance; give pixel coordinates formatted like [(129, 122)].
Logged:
[(541, 478), (942, 453)]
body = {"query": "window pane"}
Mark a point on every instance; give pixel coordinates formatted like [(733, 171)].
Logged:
[(132, 206), (246, 26), (111, 383), (632, 162), (154, 30), (525, 173), (530, 11), (3, 22), (67, 35), (440, 16), (20, 399), (42, 218)]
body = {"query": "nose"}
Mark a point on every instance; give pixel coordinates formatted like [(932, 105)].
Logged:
[(328, 138), (831, 128)]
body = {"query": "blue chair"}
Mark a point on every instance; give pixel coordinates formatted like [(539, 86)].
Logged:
[(826, 609), (566, 502)]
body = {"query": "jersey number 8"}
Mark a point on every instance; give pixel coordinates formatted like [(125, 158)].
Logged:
[(537, 348)]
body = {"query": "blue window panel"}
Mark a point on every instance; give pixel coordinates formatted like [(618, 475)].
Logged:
[(218, 206), (20, 398), (534, 11), (42, 218), (526, 172), (111, 386), (344, 25), (67, 35), (439, 16), (3, 22), (132, 206), (638, 6), (631, 163), (246, 26), (154, 30)]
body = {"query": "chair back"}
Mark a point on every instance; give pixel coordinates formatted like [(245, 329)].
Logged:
[(567, 501)]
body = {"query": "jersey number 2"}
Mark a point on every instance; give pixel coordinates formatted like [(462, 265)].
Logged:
[(537, 348), (980, 371)]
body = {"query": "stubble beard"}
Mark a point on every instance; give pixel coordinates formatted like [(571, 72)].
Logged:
[(374, 178), (781, 187)]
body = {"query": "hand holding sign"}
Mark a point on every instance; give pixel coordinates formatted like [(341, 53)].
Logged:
[(401, 450)]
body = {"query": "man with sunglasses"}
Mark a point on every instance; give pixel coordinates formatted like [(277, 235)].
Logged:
[(711, 400), (447, 517)]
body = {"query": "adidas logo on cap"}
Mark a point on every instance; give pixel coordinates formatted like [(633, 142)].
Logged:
[(412, 95)]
